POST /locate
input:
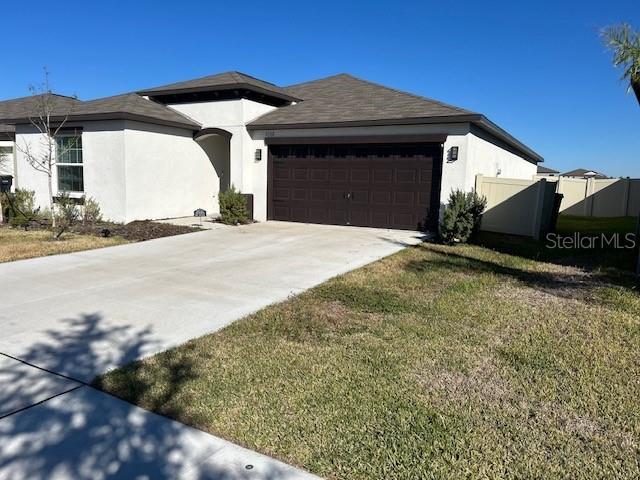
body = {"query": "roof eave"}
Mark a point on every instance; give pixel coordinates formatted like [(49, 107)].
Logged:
[(487, 125), (228, 86), (477, 119), (91, 117)]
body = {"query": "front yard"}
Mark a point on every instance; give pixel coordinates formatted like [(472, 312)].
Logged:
[(16, 244), (20, 244), (437, 362)]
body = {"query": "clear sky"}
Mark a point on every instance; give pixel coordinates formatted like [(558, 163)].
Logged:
[(536, 68)]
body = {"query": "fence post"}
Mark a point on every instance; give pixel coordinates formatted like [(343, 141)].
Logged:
[(538, 208), (625, 197), (478, 186), (588, 197), (560, 190)]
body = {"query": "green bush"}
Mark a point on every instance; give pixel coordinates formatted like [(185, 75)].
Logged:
[(233, 207), (21, 208), (462, 216)]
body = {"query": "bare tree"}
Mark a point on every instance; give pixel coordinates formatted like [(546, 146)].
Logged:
[(624, 42), (48, 118), (4, 161)]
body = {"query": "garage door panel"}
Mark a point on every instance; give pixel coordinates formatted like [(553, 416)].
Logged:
[(359, 175), (389, 186), (319, 174), (282, 194), (406, 199), (339, 175)]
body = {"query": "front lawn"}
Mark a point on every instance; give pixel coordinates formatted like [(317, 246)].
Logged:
[(17, 244), (437, 362)]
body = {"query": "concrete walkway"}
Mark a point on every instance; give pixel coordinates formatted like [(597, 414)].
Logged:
[(67, 318)]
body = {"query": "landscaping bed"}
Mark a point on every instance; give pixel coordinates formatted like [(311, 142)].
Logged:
[(19, 244), (437, 362), (137, 231)]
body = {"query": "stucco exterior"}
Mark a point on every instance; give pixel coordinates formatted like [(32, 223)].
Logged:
[(138, 167), (475, 155), (134, 170)]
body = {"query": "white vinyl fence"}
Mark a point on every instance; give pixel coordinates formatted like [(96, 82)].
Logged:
[(515, 206), (611, 197)]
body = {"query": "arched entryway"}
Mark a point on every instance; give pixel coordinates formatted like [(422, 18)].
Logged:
[(216, 143)]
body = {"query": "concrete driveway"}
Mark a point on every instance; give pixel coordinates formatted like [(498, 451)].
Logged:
[(67, 318)]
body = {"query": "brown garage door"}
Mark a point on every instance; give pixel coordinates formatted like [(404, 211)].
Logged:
[(390, 186)]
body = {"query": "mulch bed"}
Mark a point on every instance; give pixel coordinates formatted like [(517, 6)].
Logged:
[(137, 231)]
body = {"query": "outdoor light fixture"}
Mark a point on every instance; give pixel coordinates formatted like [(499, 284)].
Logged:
[(258, 154), (453, 154)]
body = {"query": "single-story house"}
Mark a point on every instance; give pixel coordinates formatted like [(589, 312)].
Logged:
[(584, 173), (339, 150), (544, 172)]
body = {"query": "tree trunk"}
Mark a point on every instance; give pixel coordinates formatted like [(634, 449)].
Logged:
[(53, 215), (635, 84)]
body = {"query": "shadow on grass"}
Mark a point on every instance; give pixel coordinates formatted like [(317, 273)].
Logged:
[(611, 262), (564, 285), (83, 433)]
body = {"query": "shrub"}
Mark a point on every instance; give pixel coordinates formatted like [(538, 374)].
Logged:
[(91, 212), (462, 215), (233, 207), (22, 210), (67, 214)]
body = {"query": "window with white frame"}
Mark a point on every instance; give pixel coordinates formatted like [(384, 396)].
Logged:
[(69, 161)]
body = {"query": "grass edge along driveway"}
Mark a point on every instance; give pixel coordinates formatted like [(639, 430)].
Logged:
[(435, 362)]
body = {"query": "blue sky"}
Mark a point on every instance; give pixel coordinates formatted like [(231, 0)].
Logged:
[(539, 71)]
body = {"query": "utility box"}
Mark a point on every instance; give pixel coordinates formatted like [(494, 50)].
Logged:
[(5, 183)]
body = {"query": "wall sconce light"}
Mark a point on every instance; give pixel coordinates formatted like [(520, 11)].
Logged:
[(258, 156), (453, 154)]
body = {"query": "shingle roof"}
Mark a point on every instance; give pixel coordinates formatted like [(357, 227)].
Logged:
[(220, 81), (127, 106), (581, 172), (542, 169), (25, 107), (133, 106), (344, 98)]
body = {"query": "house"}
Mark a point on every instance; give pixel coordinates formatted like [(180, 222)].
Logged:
[(546, 172), (339, 150), (584, 173)]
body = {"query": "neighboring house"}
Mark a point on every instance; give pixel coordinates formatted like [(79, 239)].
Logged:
[(338, 150), (584, 173), (547, 172)]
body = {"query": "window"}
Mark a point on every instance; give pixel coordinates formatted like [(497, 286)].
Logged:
[(69, 162), (6, 151)]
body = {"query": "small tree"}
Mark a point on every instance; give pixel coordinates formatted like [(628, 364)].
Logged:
[(462, 216), (48, 120), (624, 42), (4, 162)]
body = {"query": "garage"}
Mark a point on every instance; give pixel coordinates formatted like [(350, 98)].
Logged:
[(385, 185)]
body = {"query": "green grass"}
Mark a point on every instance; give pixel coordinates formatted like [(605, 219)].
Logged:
[(601, 258), (570, 224), (437, 362)]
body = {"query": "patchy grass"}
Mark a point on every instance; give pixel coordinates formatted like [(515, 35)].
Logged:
[(437, 362), (19, 244)]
